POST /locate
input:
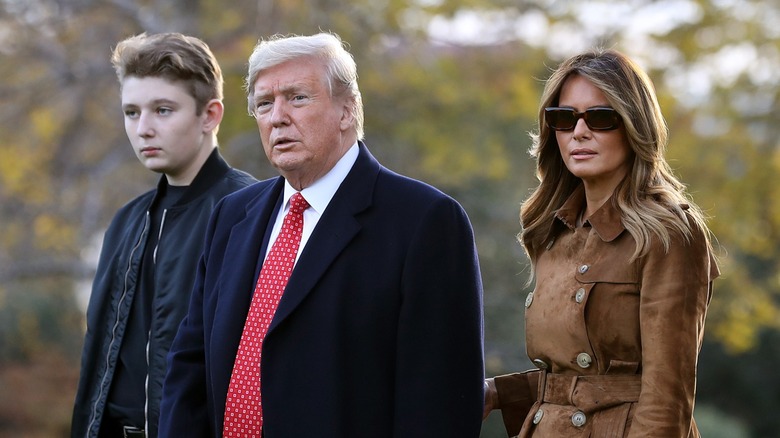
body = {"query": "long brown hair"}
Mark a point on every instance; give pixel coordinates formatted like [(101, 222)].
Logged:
[(650, 199)]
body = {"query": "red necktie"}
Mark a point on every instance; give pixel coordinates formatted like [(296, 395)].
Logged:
[(243, 408)]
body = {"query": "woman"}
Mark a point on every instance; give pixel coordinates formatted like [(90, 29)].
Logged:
[(622, 262)]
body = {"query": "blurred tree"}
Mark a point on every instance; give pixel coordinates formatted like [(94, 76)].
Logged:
[(732, 131), (451, 89)]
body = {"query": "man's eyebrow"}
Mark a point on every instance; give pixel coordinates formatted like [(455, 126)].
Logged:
[(285, 89), (292, 88)]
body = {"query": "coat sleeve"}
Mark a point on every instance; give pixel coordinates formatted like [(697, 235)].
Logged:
[(439, 366), (675, 292), (184, 405), (517, 393)]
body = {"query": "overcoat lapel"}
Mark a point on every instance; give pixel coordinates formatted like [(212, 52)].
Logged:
[(248, 238), (335, 229)]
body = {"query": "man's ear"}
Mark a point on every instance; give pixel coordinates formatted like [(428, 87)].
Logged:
[(213, 113), (347, 116)]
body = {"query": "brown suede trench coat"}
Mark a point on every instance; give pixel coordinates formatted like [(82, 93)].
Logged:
[(616, 342)]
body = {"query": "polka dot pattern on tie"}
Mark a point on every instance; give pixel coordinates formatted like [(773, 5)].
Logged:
[(243, 408)]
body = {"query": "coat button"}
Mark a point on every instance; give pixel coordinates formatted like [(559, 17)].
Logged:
[(542, 365), (580, 295), (529, 299), (579, 419), (583, 269), (538, 416), (584, 360)]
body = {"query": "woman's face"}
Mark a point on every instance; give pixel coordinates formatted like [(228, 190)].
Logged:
[(599, 158)]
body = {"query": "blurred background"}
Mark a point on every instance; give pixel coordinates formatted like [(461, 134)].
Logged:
[(451, 89)]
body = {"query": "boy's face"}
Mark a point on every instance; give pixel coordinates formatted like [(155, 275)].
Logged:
[(166, 133)]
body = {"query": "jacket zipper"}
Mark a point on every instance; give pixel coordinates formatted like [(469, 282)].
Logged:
[(149, 335), (116, 324)]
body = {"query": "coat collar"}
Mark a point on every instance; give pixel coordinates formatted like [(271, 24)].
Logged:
[(336, 228), (212, 170), (606, 221)]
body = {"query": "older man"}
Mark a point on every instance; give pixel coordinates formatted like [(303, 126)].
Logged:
[(377, 329)]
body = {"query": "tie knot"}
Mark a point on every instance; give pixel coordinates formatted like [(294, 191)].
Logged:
[(298, 204)]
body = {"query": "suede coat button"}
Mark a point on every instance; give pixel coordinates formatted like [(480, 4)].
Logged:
[(578, 419), (538, 416), (584, 360), (542, 365)]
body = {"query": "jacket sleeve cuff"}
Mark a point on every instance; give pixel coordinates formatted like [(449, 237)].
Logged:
[(516, 394)]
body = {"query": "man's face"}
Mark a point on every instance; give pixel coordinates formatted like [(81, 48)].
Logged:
[(304, 130), (166, 133)]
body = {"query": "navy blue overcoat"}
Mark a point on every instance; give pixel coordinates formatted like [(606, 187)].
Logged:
[(379, 331)]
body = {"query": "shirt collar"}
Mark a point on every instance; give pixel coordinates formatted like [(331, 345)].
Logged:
[(319, 194), (605, 221)]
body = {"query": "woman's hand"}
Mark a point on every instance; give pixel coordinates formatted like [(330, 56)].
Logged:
[(491, 398)]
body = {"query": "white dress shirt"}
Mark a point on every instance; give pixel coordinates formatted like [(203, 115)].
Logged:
[(318, 195)]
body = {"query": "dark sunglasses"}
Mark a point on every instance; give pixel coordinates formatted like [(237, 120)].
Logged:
[(597, 119)]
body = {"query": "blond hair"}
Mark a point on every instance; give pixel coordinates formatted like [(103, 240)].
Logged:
[(340, 66), (651, 200)]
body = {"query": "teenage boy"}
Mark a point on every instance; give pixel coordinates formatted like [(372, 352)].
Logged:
[(171, 91)]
